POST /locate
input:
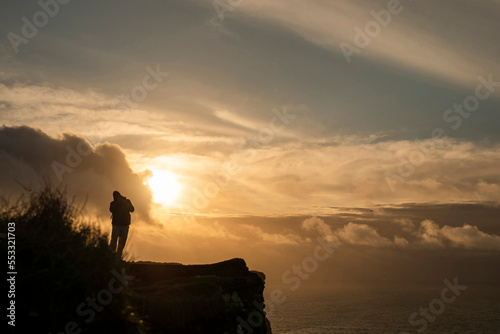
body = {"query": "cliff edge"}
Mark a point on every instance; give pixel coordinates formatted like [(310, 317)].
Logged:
[(220, 298), (66, 279)]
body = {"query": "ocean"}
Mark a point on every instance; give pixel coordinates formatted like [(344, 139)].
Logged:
[(348, 310)]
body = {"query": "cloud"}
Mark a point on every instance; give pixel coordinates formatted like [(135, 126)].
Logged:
[(308, 175), (467, 236), (29, 156), (405, 223), (428, 235), (89, 113), (354, 234), (400, 242), (198, 229), (364, 235), (299, 177), (318, 225), (431, 50), (274, 238), (24, 95)]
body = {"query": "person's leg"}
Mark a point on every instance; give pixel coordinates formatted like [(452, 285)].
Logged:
[(114, 237), (122, 239)]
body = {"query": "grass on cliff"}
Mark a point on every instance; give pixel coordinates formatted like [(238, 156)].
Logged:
[(61, 262)]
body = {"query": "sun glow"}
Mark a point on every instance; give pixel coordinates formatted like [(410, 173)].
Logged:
[(165, 187)]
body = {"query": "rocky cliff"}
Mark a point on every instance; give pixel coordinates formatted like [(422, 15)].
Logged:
[(220, 298)]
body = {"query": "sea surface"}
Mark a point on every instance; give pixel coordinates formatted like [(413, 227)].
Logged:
[(346, 310)]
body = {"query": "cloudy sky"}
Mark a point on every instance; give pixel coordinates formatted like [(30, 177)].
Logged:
[(261, 125)]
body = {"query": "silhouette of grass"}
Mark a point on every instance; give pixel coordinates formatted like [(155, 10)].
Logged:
[(60, 262)]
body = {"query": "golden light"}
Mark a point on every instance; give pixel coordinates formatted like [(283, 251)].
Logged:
[(165, 187)]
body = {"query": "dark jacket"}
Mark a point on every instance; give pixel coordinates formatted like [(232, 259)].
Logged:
[(121, 209)]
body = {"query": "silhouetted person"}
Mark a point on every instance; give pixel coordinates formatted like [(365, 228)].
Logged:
[(121, 207)]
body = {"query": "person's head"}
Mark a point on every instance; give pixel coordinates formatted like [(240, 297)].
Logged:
[(116, 195)]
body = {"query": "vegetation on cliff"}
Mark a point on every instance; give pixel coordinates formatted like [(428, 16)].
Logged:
[(67, 276)]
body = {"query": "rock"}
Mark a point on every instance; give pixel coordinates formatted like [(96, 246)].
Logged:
[(220, 298)]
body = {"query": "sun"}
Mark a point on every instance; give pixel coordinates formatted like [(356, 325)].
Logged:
[(166, 189)]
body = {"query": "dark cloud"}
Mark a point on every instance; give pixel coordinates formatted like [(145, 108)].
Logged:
[(29, 157)]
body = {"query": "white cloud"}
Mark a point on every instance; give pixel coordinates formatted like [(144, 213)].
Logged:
[(401, 242), (318, 225), (362, 234), (252, 231), (354, 234), (405, 223), (327, 24), (429, 235), (467, 236)]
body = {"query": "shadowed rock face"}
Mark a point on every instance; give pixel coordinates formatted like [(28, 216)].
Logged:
[(220, 298)]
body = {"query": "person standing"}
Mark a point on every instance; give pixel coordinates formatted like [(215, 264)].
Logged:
[(120, 207)]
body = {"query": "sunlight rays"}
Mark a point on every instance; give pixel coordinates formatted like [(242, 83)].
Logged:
[(165, 187)]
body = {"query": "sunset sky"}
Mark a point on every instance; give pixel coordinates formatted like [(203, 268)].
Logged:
[(258, 133)]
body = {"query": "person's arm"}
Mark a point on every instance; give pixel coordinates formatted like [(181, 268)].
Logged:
[(130, 206)]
